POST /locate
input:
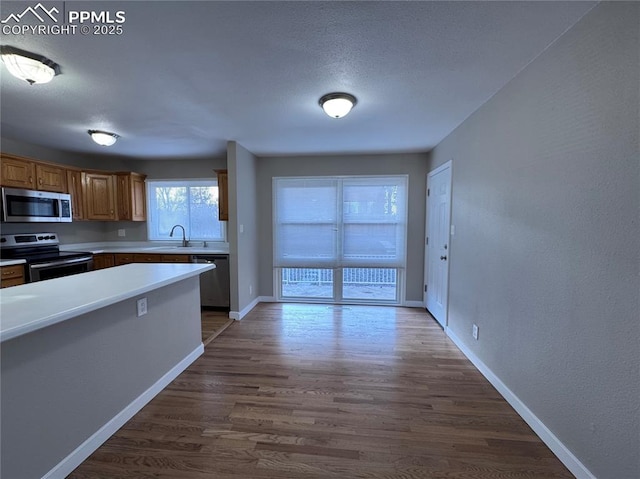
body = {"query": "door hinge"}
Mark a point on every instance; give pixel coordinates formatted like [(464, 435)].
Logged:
[(425, 288), (427, 240), (428, 191)]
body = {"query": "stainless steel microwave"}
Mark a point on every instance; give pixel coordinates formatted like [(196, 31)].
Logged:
[(30, 206)]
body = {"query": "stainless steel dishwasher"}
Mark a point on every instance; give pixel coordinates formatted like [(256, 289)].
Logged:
[(214, 284)]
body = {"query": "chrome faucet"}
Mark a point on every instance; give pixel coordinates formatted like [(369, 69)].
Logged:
[(185, 243)]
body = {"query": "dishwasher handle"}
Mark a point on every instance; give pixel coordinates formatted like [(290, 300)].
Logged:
[(208, 259)]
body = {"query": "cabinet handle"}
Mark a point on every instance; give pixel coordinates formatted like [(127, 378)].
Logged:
[(31, 179), (40, 181)]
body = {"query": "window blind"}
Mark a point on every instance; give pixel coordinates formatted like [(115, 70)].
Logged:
[(340, 222)]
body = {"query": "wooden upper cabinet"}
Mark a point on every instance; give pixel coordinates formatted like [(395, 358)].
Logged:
[(17, 172), (95, 195), (74, 188), (223, 195), (51, 178), (131, 198), (99, 191)]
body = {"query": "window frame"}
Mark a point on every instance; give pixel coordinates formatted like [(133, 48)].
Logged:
[(338, 268), (182, 182)]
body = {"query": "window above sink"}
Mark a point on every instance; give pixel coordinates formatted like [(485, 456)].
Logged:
[(192, 203)]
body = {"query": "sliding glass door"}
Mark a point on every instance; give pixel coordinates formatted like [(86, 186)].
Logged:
[(340, 239)]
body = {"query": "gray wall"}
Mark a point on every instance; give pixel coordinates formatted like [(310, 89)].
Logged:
[(414, 165), (61, 384), (97, 162), (546, 185), (244, 234)]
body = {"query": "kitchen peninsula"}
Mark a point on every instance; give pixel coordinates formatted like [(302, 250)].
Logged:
[(81, 354)]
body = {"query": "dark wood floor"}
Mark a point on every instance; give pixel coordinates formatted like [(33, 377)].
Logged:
[(316, 391), (213, 323)]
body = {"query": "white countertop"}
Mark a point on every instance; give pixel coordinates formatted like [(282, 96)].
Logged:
[(147, 247), (33, 306), (11, 262)]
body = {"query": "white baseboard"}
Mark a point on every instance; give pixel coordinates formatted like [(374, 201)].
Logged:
[(557, 447), (84, 450), (413, 304), (238, 315)]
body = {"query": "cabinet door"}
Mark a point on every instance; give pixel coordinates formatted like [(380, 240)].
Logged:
[(138, 198), (131, 197), (17, 172), (99, 194), (124, 197), (146, 258), (12, 275), (74, 188), (175, 258), (51, 178), (103, 260), (123, 258), (223, 195)]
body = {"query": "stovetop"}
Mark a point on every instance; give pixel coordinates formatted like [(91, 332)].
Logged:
[(36, 248)]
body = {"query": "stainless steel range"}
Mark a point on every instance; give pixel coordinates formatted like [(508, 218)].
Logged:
[(42, 253)]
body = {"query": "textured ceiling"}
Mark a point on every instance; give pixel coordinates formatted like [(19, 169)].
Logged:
[(185, 77)]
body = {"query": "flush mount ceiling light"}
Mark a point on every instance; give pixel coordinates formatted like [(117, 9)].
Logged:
[(337, 105), (103, 138), (28, 66)]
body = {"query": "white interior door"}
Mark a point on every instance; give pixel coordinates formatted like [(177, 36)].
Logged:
[(437, 251)]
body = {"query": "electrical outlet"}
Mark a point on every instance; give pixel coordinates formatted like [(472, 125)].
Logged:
[(475, 331), (142, 307), (122, 233)]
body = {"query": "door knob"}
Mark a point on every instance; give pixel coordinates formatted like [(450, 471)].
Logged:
[(444, 258)]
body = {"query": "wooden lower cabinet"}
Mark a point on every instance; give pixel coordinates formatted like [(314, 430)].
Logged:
[(126, 258), (146, 258), (12, 275), (103, 260), (175, 258), (123, 258)]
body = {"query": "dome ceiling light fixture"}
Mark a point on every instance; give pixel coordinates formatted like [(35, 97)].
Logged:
[(337, 105), (27, 66), (103, 138)]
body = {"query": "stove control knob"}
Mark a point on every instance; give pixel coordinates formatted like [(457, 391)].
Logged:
[(3, 240), (40, 237)]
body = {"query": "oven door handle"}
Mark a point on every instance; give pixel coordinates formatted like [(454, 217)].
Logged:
[(63, 262)]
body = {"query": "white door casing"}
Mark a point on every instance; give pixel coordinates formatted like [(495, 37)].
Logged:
[(437, 248)]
